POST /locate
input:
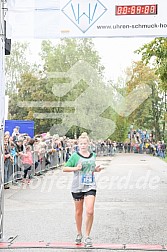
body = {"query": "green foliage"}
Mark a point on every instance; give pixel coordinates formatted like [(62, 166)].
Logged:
[(150, 113), (122, 128), (35, 87), (31, 85), (156, 52), (17, 64)]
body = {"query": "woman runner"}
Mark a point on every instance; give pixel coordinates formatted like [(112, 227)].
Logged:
[(82, 163)]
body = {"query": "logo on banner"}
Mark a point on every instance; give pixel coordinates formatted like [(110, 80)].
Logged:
[(84, 14)]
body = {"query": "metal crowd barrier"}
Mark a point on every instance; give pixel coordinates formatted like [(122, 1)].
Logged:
[(105, 150), (8, 171), (13, 170), (51, 159), (48, 160)]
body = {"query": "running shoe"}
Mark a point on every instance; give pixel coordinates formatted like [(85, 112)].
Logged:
[(88, 242), (78, 239)]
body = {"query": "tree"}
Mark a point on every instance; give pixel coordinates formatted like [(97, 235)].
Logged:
[(31, 88), (62, 58), (150, 113), (59, 58), (15, 65), (156, 52)]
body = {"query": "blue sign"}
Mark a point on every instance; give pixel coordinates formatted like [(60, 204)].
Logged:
[(26, 127)]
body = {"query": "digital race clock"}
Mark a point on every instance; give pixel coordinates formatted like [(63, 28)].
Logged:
[(136, 10)]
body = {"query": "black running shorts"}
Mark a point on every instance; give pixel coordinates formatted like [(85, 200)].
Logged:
[(81, 195)]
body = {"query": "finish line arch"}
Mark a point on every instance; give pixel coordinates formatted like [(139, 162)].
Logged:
[(74, 19)]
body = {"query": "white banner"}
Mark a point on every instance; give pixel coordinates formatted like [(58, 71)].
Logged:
[(2, 69), (77, 18)]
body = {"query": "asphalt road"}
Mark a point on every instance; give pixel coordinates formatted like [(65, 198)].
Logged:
[(131, 205)]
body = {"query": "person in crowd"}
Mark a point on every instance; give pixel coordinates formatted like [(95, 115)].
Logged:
[(19, 146), (19, 149), (41, 155), (57, 146), (141, 147), (93, 146), (82, 163), (15, 134), (6, 164), (13, 154), (163, 149), (7, 134), (159, 149), (48, 151), (114, 147), (75, 146), (36, 147), (109, 147), (129, 147), (126, 147), (7, 138), (68, 151), (154, 149), (27, 161)]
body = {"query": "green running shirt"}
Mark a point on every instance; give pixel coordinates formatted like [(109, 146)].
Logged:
[(83, 180)]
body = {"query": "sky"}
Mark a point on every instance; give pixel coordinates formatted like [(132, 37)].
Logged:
[(116, 53)]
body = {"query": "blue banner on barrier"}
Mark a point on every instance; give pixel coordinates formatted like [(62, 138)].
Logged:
[(25, 126)]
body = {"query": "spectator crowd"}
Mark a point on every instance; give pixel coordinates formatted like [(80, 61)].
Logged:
[(24, 155)]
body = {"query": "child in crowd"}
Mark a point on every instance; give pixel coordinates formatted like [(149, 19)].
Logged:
[(27, 161)]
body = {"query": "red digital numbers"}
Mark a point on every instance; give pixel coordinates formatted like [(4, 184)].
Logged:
[(136, 10)]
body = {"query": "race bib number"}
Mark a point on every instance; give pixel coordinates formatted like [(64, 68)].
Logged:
[(87, 178)]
